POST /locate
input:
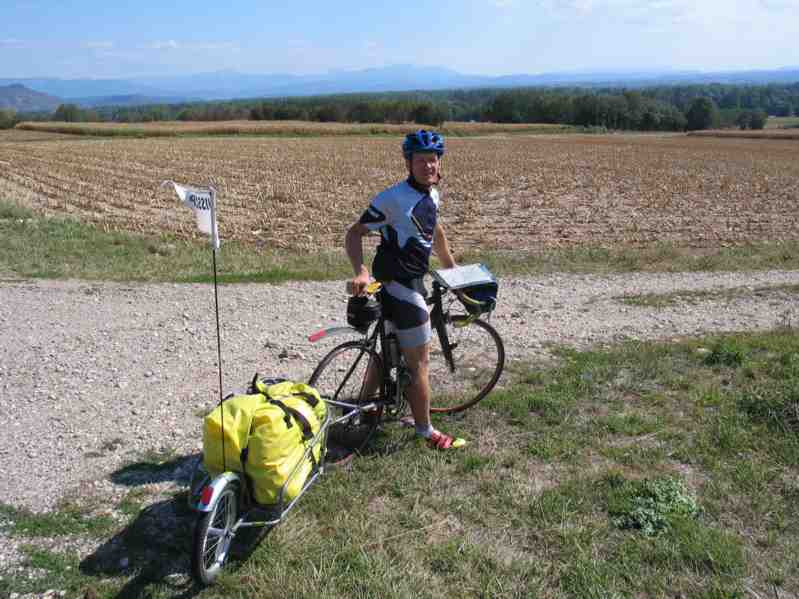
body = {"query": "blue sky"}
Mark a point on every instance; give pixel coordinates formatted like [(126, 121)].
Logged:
[(87, 38)]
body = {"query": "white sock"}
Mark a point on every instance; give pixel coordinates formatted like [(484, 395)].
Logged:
[(424, 431)]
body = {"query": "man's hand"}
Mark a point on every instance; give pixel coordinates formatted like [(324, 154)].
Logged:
[(358, 284)]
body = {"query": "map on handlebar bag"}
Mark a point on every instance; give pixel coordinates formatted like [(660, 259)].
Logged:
[(464, 276)]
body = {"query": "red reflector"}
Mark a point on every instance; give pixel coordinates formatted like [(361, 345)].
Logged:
[(316, 336), (208, 493)]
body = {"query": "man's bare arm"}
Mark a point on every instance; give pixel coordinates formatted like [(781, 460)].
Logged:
[(353, 244), (441, 247)]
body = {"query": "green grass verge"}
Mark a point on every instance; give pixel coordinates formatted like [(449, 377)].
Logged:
[(784, 122), (646, 469), (70, 519), (664, 300), (55, 247)]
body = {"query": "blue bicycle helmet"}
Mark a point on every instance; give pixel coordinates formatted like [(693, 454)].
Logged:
[(422, 141)]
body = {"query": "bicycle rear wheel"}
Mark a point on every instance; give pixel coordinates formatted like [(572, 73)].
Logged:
[(341, 377), (478, 357)]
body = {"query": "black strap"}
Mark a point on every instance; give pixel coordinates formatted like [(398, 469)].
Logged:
[(309, 398), (307, 432), (253, 386)]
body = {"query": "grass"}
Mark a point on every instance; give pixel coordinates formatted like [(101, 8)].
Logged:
[(54, 247), (71, 519), (644, 469), (538, 505), (36, 246), (783, 122), (665, 300), (786, 132)]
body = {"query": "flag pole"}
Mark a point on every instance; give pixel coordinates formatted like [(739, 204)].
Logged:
[(202, 205), (214, 249)]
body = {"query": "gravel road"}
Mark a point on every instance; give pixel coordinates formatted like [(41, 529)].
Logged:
[(95, 375)]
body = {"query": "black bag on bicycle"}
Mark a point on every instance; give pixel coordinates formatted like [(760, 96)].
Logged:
[(479, 299), (474, 284), (362, 311)]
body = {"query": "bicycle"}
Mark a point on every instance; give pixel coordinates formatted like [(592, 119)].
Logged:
[(467, 357), (466, 362)]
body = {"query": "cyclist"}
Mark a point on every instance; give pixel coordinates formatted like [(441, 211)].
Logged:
[(406, 216)]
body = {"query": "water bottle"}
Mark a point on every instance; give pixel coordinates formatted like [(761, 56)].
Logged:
[(404, 378), (392, 350)]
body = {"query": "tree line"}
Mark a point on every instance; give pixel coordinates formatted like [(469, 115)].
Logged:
[(660, 108)]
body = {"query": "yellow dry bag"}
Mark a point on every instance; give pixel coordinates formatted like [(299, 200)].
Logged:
[(268, 436)]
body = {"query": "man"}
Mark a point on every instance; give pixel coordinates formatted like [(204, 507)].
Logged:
[(406, 216)]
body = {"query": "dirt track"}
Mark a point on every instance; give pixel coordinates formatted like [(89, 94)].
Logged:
[(94, 376)]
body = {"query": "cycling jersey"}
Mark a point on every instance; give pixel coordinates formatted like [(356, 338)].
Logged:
[(406, 215)]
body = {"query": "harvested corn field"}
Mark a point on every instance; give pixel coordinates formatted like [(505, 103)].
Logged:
[(283, 128), (499, 192)]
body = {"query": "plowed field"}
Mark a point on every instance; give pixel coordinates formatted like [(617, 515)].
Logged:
[(499, 192)]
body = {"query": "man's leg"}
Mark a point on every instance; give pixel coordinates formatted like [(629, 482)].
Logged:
[(418, 394), (418, 360)]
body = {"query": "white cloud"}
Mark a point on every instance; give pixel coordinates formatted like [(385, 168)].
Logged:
[(228, 46), (779, 5), (163, 45), (13, 43), (170, 45), (98, 45), (661, 14), (373, 49), (666, 11), (503, 4)]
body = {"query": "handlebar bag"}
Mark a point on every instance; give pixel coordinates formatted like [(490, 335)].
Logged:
[(480, 299)]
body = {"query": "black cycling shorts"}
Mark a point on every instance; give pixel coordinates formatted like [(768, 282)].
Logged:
[(406, 310)]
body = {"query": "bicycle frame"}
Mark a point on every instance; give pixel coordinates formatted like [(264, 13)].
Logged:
[(438, 320)]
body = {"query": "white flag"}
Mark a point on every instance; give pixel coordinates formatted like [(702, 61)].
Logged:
[(202, 200)]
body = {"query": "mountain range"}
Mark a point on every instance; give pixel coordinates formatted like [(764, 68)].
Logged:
[(231, 84), (21, 99)]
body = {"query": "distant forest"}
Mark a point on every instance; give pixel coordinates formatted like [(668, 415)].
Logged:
[(662, 108)]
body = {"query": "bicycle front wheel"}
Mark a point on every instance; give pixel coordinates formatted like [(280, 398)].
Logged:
[(348, 377), (478, 357)]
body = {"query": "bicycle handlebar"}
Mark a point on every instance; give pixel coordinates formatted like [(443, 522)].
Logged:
[(375, 286), (371, 288)]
